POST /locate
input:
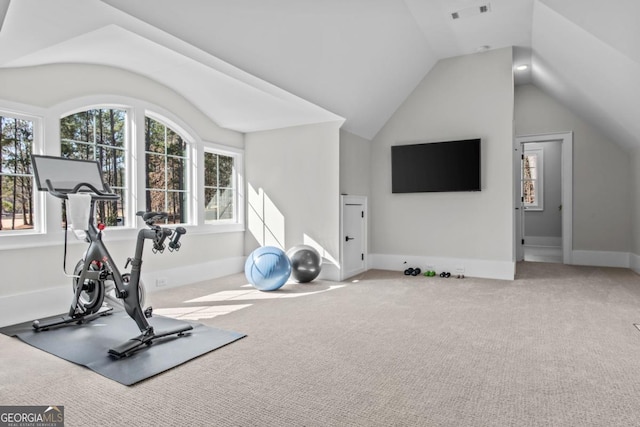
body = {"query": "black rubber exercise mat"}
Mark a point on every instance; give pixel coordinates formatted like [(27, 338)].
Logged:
[(88, 345)]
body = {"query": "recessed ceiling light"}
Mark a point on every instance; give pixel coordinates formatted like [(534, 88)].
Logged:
[(522, 67), (471, 11)]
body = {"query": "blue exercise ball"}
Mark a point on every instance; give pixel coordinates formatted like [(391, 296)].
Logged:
[(305, 263), (267, 268)]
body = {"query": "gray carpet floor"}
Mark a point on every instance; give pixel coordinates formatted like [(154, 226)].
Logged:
[(555, 347)]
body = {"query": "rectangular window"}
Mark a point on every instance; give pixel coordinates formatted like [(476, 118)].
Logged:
[(16, 177), (532, 183), (219, 188)]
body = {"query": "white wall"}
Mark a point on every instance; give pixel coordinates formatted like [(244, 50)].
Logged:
[(32, 281), (293, 192), (46, 86), (601, 175), (355, 164), (463, 97)]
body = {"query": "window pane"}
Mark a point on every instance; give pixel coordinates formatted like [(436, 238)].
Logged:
[(154, 136), (113, 171), (225, 203), (219, 204), (175, 173), (211, 204), (16, 139), (533, 160), (17, 202), (175, 144), (71, 150), (226, 170), (529, 192), (156, 201), (173, 203), (210, 170), (530, 168), (176, 202), (16, 180), (155, 171)]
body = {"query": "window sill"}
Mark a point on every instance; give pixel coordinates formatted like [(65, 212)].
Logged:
[(111, 234)]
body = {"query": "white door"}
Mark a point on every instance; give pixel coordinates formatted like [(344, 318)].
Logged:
[(519, 204), (353, 235)]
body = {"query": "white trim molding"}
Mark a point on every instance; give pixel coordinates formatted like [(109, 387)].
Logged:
[(602, 258), (635, 262), (56, 300), (33, 305)]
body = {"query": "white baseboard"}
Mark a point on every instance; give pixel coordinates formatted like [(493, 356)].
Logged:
[(543, 241), (56, 300), (34, 305), (635, 262), (601, 258), (503, 270), (179, 276)]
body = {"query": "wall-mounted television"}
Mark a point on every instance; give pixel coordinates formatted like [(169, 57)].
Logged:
[(436, 167)]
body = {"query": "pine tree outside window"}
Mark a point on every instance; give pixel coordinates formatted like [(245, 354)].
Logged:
[(165, 171), (99, 134), (16, 176)]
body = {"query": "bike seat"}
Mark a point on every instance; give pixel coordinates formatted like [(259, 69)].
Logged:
[(146, 216)]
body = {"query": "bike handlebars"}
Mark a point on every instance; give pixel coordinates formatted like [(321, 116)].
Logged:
[(174, 244), (160, 234), (94, 192)]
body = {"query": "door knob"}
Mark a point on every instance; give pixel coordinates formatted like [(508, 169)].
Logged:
[(349, 238)]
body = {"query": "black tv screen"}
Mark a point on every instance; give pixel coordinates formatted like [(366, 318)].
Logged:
[(436, 167)]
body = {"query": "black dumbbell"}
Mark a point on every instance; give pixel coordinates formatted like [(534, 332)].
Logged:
[(415, 271)]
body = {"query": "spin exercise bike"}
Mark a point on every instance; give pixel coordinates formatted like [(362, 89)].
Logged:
[(96, 273)]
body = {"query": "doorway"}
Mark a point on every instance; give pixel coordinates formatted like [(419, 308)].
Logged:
[(543, 167)]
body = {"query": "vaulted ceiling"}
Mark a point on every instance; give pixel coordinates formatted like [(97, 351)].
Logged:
[(262, 64)]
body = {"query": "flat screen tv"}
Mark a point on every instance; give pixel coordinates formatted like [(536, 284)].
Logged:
[(436, 167)]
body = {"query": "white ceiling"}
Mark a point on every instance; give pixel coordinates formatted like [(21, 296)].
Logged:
[(256, 64)]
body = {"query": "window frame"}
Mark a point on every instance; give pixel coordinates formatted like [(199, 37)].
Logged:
[(237, 223), (17, 112), (538, 181), (189, 141)]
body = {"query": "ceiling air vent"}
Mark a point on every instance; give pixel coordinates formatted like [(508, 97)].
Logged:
[(471, 11)]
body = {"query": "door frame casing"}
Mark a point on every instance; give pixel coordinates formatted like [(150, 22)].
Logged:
[(348, 199), (566, 141)]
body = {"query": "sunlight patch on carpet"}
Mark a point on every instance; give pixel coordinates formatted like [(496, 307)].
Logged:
[(199, 312), (255, 295)]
